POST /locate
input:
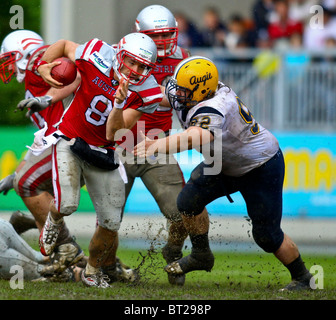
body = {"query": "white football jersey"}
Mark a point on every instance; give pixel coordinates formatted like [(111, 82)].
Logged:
[(240, 142)]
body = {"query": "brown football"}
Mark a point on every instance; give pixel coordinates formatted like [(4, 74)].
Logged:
[(65, 72)]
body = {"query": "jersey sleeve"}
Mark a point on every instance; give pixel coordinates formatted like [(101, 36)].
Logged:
[(207, 118), (150, 94), (83, 51), (98, 53)]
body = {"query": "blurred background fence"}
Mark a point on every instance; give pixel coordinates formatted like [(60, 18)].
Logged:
[(285, 90)]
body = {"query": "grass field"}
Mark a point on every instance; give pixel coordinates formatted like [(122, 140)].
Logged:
[(235, 276)]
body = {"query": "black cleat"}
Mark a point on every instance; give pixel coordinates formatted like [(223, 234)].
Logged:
[(305, 282), (171, 254), (195, 261)]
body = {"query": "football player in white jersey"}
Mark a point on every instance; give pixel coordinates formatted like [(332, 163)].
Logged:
[(240, 155)]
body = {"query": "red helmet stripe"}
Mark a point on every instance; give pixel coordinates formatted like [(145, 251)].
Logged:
[(30, 42)]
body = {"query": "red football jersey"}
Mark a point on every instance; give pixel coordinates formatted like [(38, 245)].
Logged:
[(93, 101), (161, 119), (36, 87)]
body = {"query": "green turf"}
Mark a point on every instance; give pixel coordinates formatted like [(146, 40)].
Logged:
[(235, 276)]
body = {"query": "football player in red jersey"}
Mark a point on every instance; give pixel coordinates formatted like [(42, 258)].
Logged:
[(164, 179), (113, 78), (21, 51)]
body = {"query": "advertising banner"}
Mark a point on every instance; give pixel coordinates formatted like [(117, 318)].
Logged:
[(309, 187)]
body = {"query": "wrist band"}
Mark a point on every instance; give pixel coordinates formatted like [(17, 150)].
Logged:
[(119, 105), (40, 63)]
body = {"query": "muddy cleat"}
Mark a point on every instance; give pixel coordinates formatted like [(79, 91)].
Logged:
[(126, 274), (22, 222), (120, 273), (64, 256), (305, 282), (171, 254), (199, 261), (48, 236), (66, 276), (98, 280)]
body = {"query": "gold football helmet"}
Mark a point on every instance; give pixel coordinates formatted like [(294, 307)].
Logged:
[(195, 79)]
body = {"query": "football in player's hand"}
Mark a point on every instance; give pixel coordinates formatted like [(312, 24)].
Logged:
[(65, 72)]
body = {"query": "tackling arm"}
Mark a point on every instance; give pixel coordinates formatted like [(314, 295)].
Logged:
[(164, 102), (192, 138)]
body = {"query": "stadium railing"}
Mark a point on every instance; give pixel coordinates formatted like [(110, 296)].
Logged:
[(291, 90)]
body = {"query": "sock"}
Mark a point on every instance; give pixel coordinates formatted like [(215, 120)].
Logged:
[(109, 268), (200, 243), (297, 268), (59, 221), (90, 270)]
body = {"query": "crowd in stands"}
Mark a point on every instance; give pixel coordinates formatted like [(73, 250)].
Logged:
[(306, 24)]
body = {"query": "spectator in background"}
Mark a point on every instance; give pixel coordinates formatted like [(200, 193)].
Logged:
[(299, 10), (283, 27), (261, 11), (328, 94), (330, 4), (296, 61), (239, 34), (213, 32), (189, 36), (330, 44), (314, 37)]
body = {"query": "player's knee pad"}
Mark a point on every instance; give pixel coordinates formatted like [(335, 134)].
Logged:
[(188, 205), (267, 239), (111, 223), (30, 187), (67, 210)]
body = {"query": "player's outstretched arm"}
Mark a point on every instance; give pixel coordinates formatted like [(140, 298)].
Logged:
[(164, 102), (192, 138)]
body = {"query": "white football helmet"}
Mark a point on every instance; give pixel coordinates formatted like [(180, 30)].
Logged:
[(155, 20), (140, 48), (15, 52)]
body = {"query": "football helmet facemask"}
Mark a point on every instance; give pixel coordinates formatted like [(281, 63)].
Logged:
[(140, 48), (160, 24), (15, 52), (195, 79)]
